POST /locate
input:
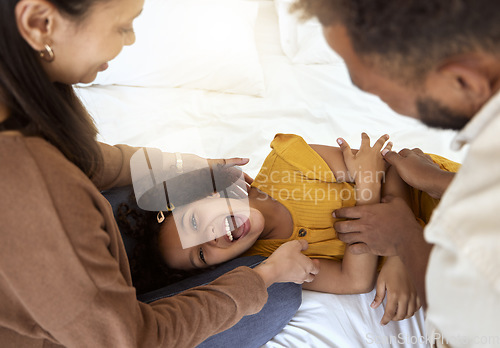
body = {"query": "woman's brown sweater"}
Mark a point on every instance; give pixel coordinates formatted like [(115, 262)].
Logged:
[(64, 274)]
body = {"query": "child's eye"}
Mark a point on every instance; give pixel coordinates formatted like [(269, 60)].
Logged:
[(193, 222), (202, 256)]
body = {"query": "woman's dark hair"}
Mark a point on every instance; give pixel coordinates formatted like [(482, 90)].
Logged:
[(149, 270), (407, 38), (38, 106)]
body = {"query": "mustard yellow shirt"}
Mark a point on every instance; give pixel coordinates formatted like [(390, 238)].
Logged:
[(297, 176), (422, 204)]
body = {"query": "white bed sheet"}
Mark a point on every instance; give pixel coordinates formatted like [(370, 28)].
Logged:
[(345, 321), (317, 102)]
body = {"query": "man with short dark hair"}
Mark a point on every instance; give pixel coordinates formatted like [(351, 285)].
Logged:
[(438, 61)]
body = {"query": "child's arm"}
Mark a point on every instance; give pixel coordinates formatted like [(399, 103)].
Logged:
[(335, 160), (356, 273), (394, 280), (395, 283)]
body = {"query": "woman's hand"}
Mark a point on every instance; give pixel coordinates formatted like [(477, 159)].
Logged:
[(288, 264), (235, 161), (366, 166), (190, 162), (246, 180), (419, 171), (229, 162), (402, 299)]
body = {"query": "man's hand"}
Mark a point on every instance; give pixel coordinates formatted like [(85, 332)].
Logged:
[(382, 228), (419, 171)]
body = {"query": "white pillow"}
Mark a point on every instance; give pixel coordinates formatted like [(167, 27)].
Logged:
[(303, 42), (203, 44)]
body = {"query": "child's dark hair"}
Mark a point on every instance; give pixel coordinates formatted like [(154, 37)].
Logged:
[(149, 270)]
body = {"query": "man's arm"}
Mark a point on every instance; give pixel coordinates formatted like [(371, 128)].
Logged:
[(419, 171)]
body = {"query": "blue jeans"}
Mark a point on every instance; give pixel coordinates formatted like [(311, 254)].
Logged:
[(252, 330)]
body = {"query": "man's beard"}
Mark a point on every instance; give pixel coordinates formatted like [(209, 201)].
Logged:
[(434, 114)]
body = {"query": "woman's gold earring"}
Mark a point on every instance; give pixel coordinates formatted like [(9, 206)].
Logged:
[(160, 217), (170, 207), (47, 54)]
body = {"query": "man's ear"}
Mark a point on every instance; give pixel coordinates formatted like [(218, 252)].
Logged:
[(35, 22), (469, 82)]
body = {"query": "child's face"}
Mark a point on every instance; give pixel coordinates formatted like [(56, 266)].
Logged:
[(208, 216)]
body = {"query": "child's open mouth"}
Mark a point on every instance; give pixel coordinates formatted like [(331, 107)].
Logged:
[(235, 227)]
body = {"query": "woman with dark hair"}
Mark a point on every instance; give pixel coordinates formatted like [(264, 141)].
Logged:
[(65, 278)]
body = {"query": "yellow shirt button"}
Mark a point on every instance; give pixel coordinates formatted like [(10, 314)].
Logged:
[(302, 232)]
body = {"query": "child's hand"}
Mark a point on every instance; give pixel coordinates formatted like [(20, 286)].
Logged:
[(402, 299), (288, 264), (366, 166)]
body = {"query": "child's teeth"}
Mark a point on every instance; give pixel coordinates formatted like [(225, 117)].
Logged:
[(228, 230)]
